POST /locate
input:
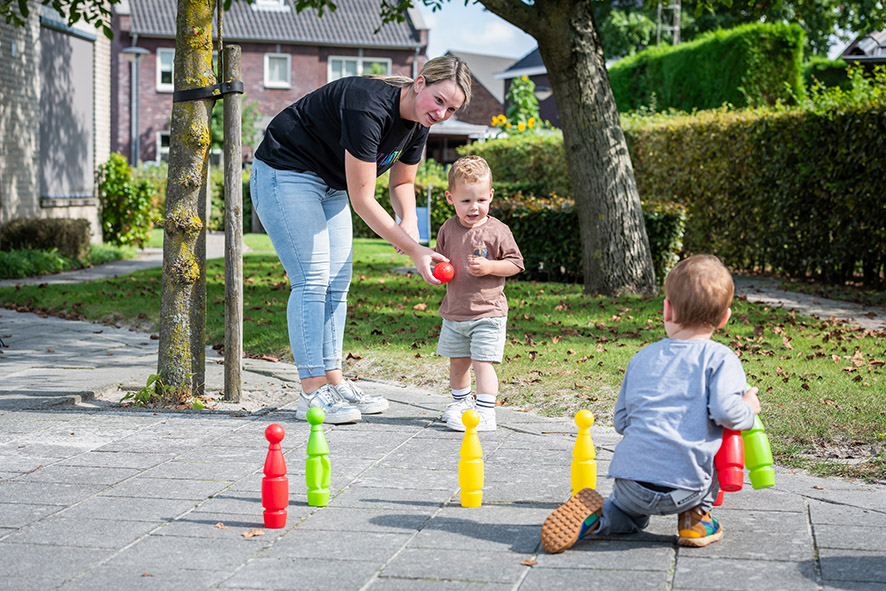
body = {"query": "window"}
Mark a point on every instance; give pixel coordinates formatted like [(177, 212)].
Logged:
[(162, 151), (165, 59), (340, 67), (278, 70), (270, 5)]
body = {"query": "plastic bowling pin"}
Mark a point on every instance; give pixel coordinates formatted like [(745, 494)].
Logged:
[(719, 500), (275, 485), (758, 455), (729, 461), (318, 472), (470, 466), (583, 473)]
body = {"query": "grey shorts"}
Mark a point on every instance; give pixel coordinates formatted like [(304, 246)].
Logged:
[(481, 340)]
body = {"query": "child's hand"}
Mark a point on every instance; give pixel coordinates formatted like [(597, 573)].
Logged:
[(479, 266), (750, 398)]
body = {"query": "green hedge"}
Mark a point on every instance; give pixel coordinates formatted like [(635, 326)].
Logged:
[(68, 237), (535, 221), (747, 65), (795, 191), (827, 72)]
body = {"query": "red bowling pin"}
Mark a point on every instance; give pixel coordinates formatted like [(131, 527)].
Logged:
[(275, 485)]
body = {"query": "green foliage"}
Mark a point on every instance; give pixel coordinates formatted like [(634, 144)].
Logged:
[(827, 72), (533, 164), (626, 32), (126, 204), (26, 263), (217, 216), (69, 237), (158, 394), (547, 231), (748, 65), (794, 190), (430, 174), (250, 115), (96, 12)]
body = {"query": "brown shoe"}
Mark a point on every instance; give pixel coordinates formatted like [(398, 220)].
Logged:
[(698, 529), (569, 522)]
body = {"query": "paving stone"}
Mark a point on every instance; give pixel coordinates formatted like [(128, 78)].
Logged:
[(331, 518), (392, 499), (853, 565), (852, 535), (823, 513), (733, 574), (166, 488), (55, 493), (79, 474), (33, 566), (545, 579), (760, 535), (117, 576), (138, 509), (81, 532), (116, 459), (338, 545), (218, 471), (301, 574), (394, 584), (457, 565), (624, 553), (16, 515), (168, 553), (459, 533)]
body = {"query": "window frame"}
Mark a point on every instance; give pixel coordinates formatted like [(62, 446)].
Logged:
[(162, 86), (285, 85), (360, 59)]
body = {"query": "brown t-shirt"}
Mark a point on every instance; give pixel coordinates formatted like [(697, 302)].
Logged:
[(469, 297)]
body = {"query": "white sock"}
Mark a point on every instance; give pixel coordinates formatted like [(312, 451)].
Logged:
[(486, 403), (461, 393)]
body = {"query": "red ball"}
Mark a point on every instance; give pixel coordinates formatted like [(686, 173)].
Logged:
[(444, 272)]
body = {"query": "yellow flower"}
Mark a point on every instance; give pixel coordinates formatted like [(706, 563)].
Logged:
[(509, 125), (521, 126), (531, 122), (502, 119), (524, 78)]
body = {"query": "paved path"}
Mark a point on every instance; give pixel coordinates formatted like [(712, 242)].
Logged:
[(96, 497)]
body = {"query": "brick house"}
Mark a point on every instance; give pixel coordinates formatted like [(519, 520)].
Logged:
[(285, 55), (54, 118)]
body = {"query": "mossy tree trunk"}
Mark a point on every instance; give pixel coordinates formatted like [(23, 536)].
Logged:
[(183, 295), (615, 248)]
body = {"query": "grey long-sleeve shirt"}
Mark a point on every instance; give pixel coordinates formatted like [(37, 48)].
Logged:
[(675, 399)]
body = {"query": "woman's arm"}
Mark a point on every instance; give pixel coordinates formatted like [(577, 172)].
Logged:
[(402, 190), (361, 190)]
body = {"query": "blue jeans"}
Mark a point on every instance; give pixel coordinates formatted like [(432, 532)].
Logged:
[(309, 224), (630, 504)]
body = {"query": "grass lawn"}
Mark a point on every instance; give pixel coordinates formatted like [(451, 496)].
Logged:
[(822, 384)]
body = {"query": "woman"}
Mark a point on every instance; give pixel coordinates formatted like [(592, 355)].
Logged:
[(330, 145)]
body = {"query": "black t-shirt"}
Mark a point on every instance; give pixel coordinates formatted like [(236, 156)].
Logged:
[(360, 115)]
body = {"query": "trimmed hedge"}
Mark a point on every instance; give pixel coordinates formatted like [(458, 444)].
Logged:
[(68, 237), (745, 66), (799, 191), (827, 72)]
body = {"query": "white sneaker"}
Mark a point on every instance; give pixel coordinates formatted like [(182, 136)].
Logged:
[(456, 408), (337, 411), (367, 404), (487, 422)]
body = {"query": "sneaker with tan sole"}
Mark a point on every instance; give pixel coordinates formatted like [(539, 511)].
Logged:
[(571, 521), (698, 529)]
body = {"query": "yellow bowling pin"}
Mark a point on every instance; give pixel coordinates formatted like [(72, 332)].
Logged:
[(584, 467), (470, 466)]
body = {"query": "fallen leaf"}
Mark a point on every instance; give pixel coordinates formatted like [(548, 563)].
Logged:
[(147, 575), (253, 532), (816, 487), (420, 307), (221, 525), (528, 562)]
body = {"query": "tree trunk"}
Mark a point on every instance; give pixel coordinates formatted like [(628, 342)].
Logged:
[(183, 295), (615, 248)]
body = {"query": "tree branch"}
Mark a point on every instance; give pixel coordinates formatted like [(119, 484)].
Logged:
[(523, 16)]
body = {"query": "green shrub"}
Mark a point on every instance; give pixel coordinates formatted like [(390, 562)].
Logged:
[(798, 191), (547, 232), (532, 164), (126, 204), (26, 263), (217, 217), (747, 65), (827, 72), (430, 174), (69, 237)]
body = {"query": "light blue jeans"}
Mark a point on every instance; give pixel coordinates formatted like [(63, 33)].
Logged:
[(309, 224), (630, 504)]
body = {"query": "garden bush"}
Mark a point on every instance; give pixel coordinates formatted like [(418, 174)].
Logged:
[(69, 237), (127, 204), (745, 66)]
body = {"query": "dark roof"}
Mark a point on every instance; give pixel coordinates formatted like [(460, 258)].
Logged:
[(530, 60), (352, 24)]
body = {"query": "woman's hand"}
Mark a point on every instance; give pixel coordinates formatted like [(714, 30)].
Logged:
[(424, 260), (411, 229)]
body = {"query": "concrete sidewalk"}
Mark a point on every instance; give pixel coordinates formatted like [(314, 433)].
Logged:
[(96, 497)]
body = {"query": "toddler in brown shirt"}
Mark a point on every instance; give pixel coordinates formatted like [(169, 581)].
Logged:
[(475, 310)]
